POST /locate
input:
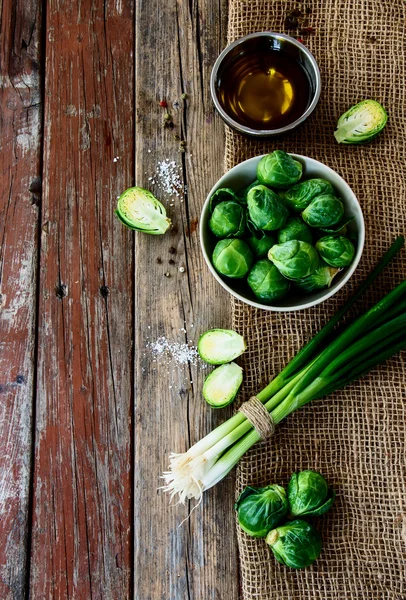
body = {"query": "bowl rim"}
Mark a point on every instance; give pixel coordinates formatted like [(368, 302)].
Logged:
[(304, 305), (264, 132)]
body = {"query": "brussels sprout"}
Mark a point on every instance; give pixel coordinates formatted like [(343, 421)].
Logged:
[(296, 544), (261, 509), (300, 195), (260, 245), (222, 195), (266, 209), (279, 170), (266, 281), (337, 251), (221, 385), (321, 278), (294, 229), (228, 219), (232, 258), (309, 494), (361, 123), (323, 211), (259, 241), (219, 346), (245, 191), (138, 209), (294, 259)]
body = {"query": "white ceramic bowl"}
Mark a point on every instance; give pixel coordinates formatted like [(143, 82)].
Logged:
[(241, 176)]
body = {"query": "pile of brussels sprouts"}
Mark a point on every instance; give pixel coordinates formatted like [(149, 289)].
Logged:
[(264, 513), (279, 232)]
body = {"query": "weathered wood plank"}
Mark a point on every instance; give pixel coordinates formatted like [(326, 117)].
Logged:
[(177, 43), (81, 542), (20, 195)]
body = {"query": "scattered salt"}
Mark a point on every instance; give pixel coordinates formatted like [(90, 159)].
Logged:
[(168, 351), (168, 178)]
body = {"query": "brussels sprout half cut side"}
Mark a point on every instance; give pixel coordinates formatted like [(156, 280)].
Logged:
[(221, 385), (361, 123), (139, 210), (219, 346)]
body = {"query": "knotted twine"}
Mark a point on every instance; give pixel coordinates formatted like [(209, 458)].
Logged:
[(355, 437), (259, 417)]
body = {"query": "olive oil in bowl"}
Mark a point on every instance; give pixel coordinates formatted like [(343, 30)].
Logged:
[(266, 92), (265, 84)]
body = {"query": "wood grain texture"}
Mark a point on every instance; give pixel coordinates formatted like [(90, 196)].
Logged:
[(20, 195), (81, 537), (177, 43)]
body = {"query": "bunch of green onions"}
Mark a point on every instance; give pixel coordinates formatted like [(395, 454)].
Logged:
[(366, 342)]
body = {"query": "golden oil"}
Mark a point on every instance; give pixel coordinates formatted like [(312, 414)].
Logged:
[(266, 91)]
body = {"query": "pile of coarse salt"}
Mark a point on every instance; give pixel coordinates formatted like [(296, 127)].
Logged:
[(168, 178), (168, 352)]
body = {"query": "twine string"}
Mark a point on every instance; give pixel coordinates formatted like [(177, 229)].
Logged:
[(259, 417)]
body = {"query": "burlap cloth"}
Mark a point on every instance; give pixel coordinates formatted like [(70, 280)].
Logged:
[(355, 437)]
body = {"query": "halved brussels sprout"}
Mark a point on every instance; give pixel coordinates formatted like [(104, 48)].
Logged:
[(361, 123), (295, 229), (296, 544), (323, 211), (138, 209), (267, 282), (219, 346), (266, 209), (300, 195), (309, 494), (322, 277), (222, 195), (228, 219), (279, 170), (294, 259), (232, 258), (261, 509), (221, 385), (337, 250)]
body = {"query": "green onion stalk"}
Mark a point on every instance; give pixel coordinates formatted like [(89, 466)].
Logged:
[(328, 362)]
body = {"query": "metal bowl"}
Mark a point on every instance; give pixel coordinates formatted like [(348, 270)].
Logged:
[(240, 177), (256, 44)]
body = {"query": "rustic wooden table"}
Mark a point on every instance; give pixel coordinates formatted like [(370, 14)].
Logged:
[(87, 419)]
